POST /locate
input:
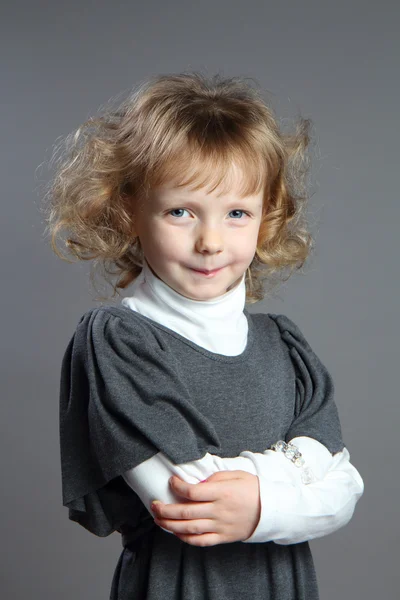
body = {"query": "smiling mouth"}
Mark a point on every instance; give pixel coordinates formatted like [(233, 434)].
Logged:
[(205, 272)]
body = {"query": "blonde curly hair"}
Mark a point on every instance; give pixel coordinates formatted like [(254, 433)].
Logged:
[(187, 128)]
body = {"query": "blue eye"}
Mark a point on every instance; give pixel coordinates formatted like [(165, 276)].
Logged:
[(237, 210), (240, 211), (176, 209)]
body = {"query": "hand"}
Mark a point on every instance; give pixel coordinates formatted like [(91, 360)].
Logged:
[(226, 508)]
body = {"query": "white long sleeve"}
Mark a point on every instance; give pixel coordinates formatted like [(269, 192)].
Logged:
[(291, 511)]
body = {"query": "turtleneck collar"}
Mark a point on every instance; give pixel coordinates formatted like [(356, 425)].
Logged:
[(219, 324)]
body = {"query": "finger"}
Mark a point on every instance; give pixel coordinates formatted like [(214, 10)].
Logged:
[(223, 475), (207, 491), (205, 539), (185, 512), (195, 527)]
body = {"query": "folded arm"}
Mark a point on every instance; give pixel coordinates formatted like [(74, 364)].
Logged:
[(291, 511)]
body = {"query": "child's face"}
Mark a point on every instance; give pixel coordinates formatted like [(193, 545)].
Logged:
[(181, 230)]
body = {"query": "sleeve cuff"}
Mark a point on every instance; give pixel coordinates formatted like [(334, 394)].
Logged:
[(292, 513), (316, 456), (268, 526)]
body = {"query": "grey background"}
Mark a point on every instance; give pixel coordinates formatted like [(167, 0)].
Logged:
[(336, 62)]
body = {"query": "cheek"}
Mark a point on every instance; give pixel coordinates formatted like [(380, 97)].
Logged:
[(167, 247), (157, 237), (244, 246), (172, 240)]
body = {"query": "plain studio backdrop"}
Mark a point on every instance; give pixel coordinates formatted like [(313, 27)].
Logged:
[(334, 62)]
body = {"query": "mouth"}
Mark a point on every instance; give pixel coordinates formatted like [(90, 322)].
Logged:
[(206, 273)]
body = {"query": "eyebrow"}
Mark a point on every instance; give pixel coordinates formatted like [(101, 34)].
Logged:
[(185, 200)]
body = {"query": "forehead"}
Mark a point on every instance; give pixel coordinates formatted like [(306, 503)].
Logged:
[(230, 187), (166, 195)]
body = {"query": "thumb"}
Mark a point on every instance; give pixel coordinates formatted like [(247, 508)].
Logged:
[(219, 476)]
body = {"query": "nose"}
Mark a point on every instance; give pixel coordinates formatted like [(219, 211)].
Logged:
[(209, 240)]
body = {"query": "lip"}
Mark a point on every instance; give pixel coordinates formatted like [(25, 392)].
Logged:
[(206, 273)]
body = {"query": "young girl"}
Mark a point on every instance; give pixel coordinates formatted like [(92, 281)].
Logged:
[(193, 192)]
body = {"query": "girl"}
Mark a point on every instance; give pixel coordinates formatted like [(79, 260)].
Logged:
[(192, 191)]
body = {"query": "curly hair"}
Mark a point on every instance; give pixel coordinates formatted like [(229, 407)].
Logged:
[(189, 129)]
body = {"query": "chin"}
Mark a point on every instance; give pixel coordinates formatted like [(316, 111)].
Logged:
[(206, 296), (196, 297)]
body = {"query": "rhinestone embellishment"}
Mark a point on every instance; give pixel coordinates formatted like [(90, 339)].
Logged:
[(294, 455)]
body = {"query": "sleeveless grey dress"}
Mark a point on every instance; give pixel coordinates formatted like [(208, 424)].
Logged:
[(130, 388)]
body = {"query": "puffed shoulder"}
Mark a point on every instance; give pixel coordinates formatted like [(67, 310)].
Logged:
[(108, 328), (121, 402), (316, 414), (290, 332)]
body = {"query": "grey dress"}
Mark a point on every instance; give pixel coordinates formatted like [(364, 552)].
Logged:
[(130, 388)]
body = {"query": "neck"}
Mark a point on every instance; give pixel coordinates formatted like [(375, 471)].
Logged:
[(218, 325)]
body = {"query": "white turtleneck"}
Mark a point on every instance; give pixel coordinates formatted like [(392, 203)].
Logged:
[(219, 325), (291, 511)]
